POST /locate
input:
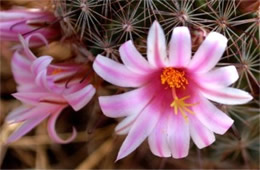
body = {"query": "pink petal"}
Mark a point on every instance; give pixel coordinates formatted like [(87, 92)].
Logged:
[(122, 104), (158, 139), (52, 132), (26, 127), (141, 128), (40, 109), (212, 117), (180, 47), (20, 61), (25, 44), (80, 98), (156, 46), (41, 80), (23, 109), (223, 76), (66, 71), (40, 64), (125, 125), (228, 95), (200, 135), (209, 53), (18, 14), (116, 73), (21, 69), (36, 97), (132, 59), (178, 135)]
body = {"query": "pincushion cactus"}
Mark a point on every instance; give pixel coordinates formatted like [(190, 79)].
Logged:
[(100, 36)]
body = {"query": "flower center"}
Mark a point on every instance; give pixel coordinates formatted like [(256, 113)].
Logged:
[(174, 78), (56, 71)]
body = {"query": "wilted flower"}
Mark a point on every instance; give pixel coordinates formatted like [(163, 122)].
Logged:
[(27, 21), (45, 89), (171, 102)]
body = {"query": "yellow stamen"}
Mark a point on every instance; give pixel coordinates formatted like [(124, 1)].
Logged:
[(56, 71), (174, 78), (179, 105)]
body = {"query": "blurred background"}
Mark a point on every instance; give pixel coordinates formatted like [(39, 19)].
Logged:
[(91, 27)]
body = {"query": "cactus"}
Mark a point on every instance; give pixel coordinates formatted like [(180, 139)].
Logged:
[(93, 27)]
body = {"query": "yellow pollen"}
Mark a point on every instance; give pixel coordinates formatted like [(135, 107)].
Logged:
[(174, 78), (179, 105), (56, 71)]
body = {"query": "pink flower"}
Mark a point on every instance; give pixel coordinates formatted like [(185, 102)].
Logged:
[(45, 90), (171, 101), (27, 21)]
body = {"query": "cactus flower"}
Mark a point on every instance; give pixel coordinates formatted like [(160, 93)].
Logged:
[(45, 89), (171, 99), (27, 21)]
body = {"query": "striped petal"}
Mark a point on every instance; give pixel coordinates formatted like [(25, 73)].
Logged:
[(209, 53), (156, 46), (40, 64), (52, 132), (212, 117), (27, 126), (117, 74), (228, 95), (122, 104), (200, 135), (40, 109), (178, 135), (158, 140), (34, 98), (219, 77), (141, 128), (125, 125), (21, 110), (80, 98), (21, 69), (180, 47), (132, 59)]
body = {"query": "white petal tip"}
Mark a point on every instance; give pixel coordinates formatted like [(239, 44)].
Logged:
[(217, 36), (180, 156)]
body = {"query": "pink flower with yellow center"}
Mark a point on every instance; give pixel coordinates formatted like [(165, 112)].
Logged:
[(27, 21), (172, 99), (45, 89)]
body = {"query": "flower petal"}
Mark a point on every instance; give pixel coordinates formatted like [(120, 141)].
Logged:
[(80, 98), (219, 77), (122, 104), (26, 43), (21, 110), (125, 125), (200, 135), (116, 73), (26, 127), (40, 64), (212, 117), (132, 59), (228, 95), (156, 46), (209, 53), (180, 47), (141, 128), (178, 135), (41, 80), (21, 69), (158, 139), (40, 109), (52, 132), (34, 98)]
